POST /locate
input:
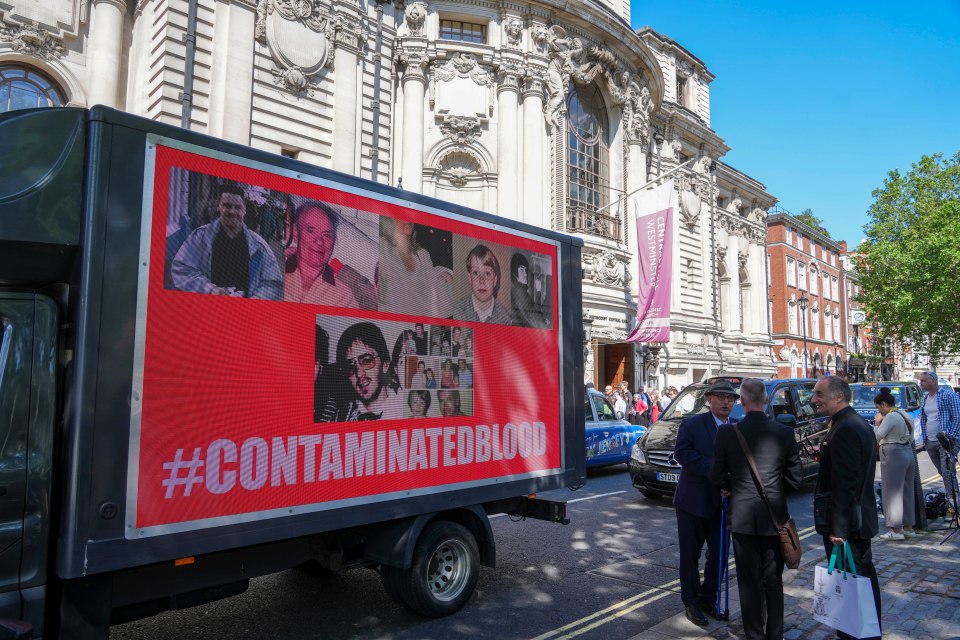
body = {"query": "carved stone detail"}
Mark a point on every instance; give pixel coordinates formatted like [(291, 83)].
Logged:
[(509, 74), (570, 61), (463, 65), (734, 205), (282, 22), (32, 39), (684, 69), (414, 65), (458, 165), (514, 30), (416, 17), (636, 115), (294, 80), (694, 189), (539, 36), (604, 268), (461, 129)]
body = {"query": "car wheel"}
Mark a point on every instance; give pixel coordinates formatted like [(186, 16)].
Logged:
[(653, 495), (446, 565)]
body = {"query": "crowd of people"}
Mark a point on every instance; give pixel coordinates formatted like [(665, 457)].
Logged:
[(751, 462), (643, 407)]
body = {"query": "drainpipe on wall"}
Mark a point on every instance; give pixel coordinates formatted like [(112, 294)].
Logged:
[(715, 294), (190, 39)]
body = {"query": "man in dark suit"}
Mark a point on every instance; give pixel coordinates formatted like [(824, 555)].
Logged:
[(756, 544), (847, 467), (697, 502)]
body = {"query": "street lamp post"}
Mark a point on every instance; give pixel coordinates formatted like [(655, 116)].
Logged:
[(804, 301), (856, 346)]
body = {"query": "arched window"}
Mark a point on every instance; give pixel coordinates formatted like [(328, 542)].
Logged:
[(23, 87), (588, 164)]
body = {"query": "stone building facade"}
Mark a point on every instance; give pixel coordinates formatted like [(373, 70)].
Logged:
[(546, 112)]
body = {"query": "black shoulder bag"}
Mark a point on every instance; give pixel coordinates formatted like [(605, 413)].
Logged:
[(789, 540)]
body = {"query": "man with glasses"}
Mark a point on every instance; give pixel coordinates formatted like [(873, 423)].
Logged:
[(368, 387), (697, 502)]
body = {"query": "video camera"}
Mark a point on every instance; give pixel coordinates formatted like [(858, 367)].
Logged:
[(944, 442)]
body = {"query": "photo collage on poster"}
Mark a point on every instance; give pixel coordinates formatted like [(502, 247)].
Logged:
[(229, 238), (382, 370), (233, 239)]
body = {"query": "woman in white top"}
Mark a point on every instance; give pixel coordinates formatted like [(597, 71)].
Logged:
[(407, 280), (898, 467)]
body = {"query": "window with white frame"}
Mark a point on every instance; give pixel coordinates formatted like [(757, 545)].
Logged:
[(836, 326), (835, 288), (789, 235), (814, 275), (802, 282), (800, 241), (828, 325), (813, 247), (792, 317), (826, 285), (823, 252), (791, 272), (833, 259), (815, 323)]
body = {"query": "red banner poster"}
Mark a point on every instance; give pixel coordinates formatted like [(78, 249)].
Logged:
[(304, 345)]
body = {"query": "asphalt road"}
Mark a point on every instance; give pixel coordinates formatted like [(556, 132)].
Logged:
[(610, 573)]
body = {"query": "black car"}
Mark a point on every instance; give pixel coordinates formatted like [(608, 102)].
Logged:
[(653, 468)]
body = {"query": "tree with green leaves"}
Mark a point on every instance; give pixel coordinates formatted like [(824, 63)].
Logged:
[(806, 217), (910, 261)]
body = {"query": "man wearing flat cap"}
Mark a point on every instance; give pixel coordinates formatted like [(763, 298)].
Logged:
[(697, 501)]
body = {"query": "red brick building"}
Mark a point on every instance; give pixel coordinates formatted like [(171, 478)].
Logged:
[(807, 299)]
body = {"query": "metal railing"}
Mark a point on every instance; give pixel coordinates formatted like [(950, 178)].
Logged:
[(588, 220)]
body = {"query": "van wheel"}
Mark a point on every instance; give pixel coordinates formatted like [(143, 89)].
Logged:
[(446, 565)]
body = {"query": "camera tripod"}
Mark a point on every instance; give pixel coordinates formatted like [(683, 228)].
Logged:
[(954, 523)]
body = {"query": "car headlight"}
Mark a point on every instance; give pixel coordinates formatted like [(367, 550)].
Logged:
[(637, 454)]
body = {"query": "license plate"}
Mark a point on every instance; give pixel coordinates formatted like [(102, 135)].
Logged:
[(668, 477)]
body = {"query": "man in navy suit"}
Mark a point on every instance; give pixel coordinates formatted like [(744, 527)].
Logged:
[(697, 502)]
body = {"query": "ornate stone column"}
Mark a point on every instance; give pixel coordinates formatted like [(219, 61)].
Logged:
[(106, 38), (345, 98), (414, 81), (534, 198), (508, 93), (733, 271), (758, 274), (231, 71)]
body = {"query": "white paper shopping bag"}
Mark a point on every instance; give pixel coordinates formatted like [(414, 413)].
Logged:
[(843, 600)]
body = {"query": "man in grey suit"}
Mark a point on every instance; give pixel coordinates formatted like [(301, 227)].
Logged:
[(756, 544), (848, 462)]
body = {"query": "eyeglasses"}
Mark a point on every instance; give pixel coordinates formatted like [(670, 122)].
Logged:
[(365, 362)]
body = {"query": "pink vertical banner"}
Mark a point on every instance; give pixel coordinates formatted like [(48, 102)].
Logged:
[(654, 210)]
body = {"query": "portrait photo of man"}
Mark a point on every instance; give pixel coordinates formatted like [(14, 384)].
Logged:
[(361, 383), (225, 257), (313, 276)]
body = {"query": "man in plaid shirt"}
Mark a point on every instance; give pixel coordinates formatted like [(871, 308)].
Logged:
[(940, 428)]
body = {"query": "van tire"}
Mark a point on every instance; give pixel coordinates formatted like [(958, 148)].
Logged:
[(444, 573)]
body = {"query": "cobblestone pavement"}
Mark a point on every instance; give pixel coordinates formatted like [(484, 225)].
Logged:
[(919, 579)]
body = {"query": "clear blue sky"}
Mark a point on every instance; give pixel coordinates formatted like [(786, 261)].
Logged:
[(820, 100)]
